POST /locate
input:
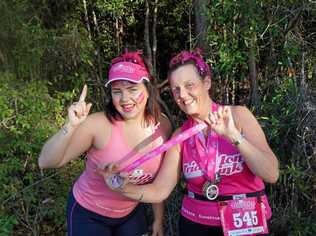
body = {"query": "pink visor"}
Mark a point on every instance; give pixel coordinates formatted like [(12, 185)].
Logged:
[(127, 71)]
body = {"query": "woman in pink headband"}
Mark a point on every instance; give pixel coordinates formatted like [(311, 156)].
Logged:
[(224, 166), (131, 125)]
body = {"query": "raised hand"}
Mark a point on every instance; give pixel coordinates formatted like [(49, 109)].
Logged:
[(222, 121), (79, 111)]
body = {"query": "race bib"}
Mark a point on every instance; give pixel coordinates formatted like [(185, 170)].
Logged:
[(243, 217)]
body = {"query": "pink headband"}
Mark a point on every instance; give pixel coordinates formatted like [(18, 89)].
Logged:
[(129, 66), (195, 56)]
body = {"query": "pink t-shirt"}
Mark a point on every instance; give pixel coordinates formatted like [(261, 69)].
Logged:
[(90, 190), (236, 177)]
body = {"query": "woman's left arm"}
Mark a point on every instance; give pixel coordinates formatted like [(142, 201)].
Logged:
[(157, 226), (240, 126)]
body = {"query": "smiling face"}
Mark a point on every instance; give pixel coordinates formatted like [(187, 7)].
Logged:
[(189, 91), (129, 99)]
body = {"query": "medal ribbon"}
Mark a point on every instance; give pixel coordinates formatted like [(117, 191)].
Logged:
[(162, 148), (207, 153)]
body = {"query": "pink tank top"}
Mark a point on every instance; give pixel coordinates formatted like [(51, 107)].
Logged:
[(236, 177), (90, 190)]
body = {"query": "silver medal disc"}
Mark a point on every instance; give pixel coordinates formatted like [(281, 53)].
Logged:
[(115, 181), (211, 192)]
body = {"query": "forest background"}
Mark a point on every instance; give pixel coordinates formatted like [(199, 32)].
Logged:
[(262, 54)]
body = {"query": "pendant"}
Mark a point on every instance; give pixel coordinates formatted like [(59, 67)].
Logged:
[(210, 190), (115, 181)]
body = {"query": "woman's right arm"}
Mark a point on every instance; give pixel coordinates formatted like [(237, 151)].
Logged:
[(164, 183), (72, 140)]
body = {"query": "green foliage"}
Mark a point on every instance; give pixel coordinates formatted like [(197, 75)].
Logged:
[(6, 224), (29, 116), (283, 105), (289, 128), (48, 50), (22, 39)]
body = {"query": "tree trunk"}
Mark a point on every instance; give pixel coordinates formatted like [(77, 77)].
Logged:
[(86, 18), (190, 25), (100, 61), (303, 84), (147, 38), (155, 38), (254, 98), (201, 24), (117, 35)]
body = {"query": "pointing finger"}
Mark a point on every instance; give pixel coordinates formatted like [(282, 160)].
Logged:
[(88, 107), (83, 93)]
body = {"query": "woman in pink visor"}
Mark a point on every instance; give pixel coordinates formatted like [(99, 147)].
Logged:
[(130, 126), (224, 165)]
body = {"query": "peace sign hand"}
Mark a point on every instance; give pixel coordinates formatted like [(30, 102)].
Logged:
[(78, 111), (222, 121)]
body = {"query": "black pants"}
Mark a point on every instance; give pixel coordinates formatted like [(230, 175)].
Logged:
[(190, 228), (82, 222)]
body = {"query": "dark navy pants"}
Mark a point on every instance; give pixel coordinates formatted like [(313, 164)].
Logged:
[(82, 222), (187, 227)]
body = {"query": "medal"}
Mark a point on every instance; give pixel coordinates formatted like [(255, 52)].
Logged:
[(115, 181), (206, 155), (210, 190)]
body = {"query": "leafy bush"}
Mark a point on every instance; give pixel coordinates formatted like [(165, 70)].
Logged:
[(31, 201), (290, 128)]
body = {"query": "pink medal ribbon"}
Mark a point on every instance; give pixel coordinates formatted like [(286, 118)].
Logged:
[(206, 157), (208, 163), (116, 181)]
